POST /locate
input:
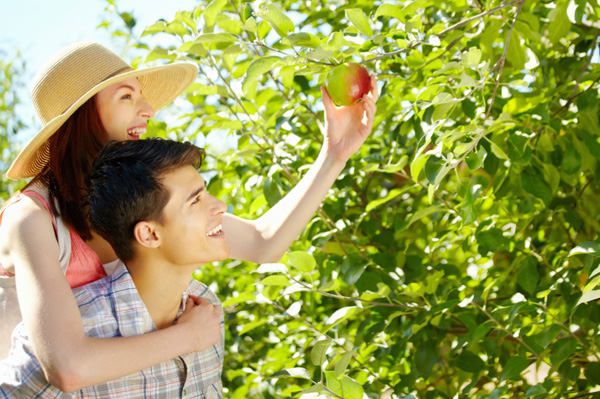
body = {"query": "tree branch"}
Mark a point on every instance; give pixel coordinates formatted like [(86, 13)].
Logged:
[(346, 298), (478, 16), (587, 64), (502, 59)]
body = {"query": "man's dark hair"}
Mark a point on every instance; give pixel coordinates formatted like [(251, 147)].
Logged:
[(125, 186)]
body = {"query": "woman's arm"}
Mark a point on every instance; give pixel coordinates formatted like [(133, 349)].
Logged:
[(69, 358), (267, 238)]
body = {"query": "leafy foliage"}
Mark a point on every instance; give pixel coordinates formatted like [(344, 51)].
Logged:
[(11, 122), (444, 263), (456, 256)]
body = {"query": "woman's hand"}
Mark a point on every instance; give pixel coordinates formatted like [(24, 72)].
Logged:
[(202, 320), (347, 128)]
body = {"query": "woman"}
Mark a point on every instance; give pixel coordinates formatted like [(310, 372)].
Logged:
[(85, 96)]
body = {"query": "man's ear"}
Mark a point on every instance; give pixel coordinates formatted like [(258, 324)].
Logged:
[(145, 234)]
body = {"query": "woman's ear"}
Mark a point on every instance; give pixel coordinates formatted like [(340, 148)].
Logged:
[(146, 235)]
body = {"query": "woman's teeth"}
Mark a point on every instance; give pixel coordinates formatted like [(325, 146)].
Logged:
[(137, 131), (217, 231)]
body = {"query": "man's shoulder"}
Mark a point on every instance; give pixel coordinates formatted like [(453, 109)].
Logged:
[(101, 290), (95, 289)]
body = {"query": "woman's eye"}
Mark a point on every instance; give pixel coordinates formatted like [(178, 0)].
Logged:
[(126, 97)]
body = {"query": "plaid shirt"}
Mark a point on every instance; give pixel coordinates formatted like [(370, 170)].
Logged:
[(112, 307)]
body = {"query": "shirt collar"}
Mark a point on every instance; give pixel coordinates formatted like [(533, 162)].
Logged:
[(131, 313)]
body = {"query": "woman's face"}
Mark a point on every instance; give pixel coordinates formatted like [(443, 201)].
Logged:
[(123, 111)]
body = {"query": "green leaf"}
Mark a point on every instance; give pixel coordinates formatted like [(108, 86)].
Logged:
[(341, 314), (535, 390), (359, 20), (587, 248), (272, 191), (185, 18), (395, 193), (258, 68), (559, 25), (529, 276), (533, 182), (497, 151), (296, 372), (199, 89), (466, 81), (346, 387), (470, 362), (426, 357), (158, 27), (433, 166), (342, 364), (421, 213), (302, 261), (319, 351), (516, 54), (211, 12), (467, 210), (547, 336), (216, 38), (160, 54), (443, 98), (513, 368), (592, 372), (302, 39), (589, 296), (314, 389), (241, 298), (389, 10), (417, 165), (571, 162), (282, 24), (471, 58), (248, 11), (476, 158), (280, 281), (252, 325), (491, 240), (561, 350)]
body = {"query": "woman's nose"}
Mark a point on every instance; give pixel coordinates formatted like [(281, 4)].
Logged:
[(146, 109)]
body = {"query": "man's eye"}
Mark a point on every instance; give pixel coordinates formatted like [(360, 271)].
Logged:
[(196, 200)]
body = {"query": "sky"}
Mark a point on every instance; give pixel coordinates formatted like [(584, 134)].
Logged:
[(38, 28)]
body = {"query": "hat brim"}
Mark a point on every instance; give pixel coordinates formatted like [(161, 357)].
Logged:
[(159, 85)]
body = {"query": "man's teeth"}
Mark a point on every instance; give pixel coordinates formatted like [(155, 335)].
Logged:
[(138, 131), (216, 231)]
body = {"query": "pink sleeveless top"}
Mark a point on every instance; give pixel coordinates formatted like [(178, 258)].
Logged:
[(84, 265)]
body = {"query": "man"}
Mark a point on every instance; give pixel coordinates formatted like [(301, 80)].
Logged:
[(149, 202)]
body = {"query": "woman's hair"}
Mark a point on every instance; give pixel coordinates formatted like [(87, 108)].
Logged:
[(72, 150)]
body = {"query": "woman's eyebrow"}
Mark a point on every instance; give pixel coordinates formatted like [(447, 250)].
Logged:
[(125, 86)]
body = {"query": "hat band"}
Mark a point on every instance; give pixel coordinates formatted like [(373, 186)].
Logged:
[(118, 72)]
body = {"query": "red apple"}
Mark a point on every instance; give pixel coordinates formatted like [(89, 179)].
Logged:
[(346, 83)]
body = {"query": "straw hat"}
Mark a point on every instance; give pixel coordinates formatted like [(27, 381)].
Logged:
[(73, 76)]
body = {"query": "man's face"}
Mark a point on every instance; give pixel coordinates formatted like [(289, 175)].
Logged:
[(191, 232)]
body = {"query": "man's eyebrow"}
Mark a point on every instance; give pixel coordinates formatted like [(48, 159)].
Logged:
[(195, 193)]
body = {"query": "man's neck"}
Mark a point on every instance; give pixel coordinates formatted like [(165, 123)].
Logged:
[(161, 287)]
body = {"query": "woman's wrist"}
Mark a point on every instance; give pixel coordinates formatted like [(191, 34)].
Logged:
[(181, 337), (331, 160)]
